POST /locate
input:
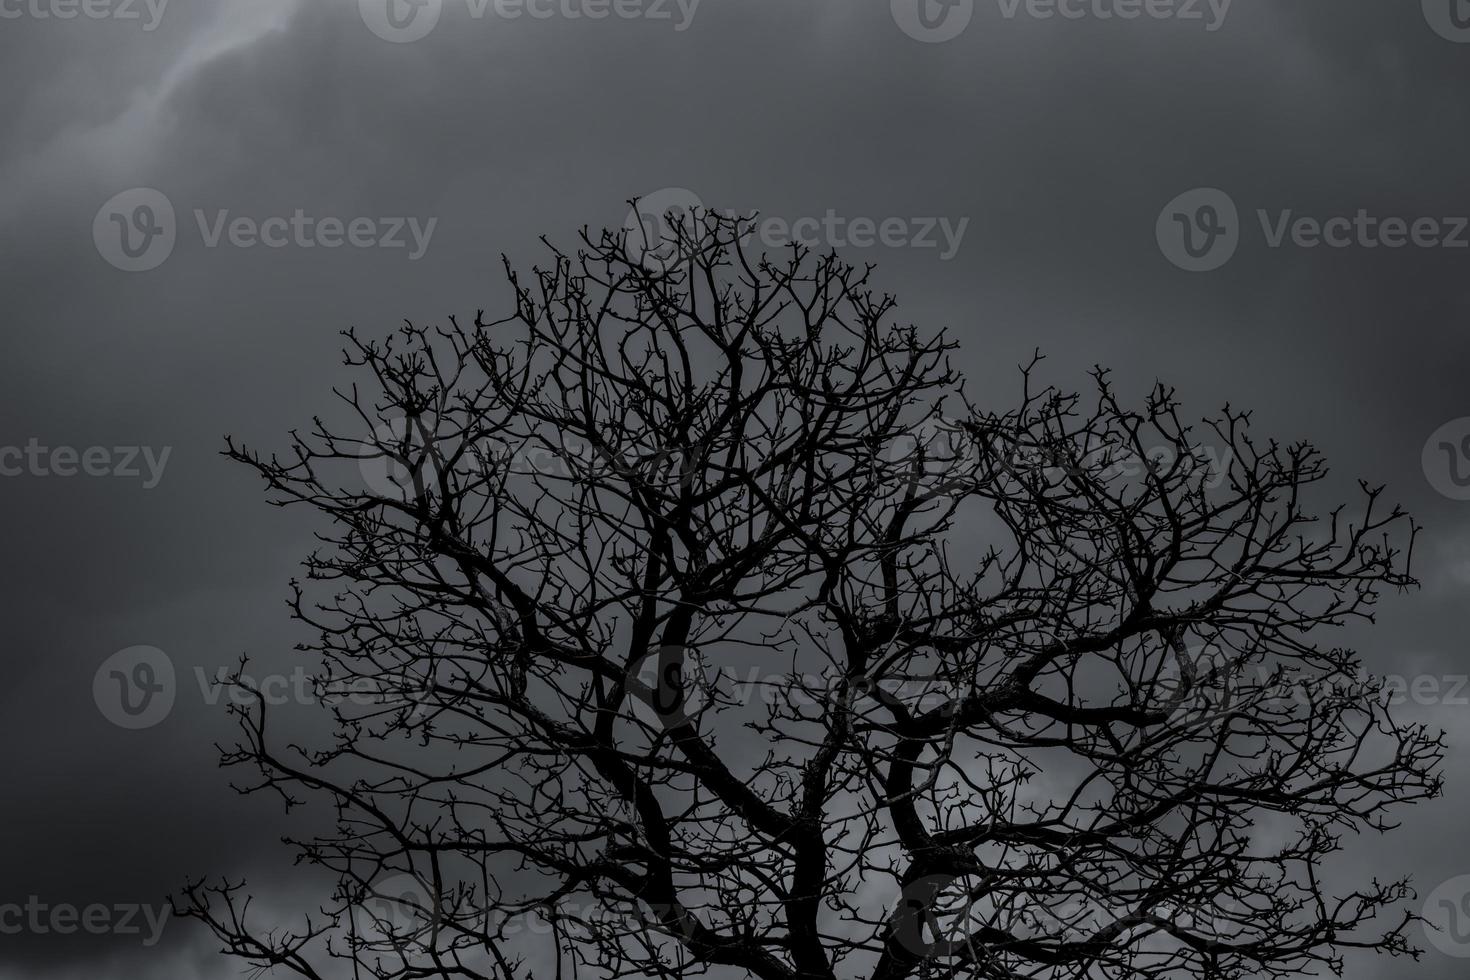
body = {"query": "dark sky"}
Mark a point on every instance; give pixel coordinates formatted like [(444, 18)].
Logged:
[(1058, 140)]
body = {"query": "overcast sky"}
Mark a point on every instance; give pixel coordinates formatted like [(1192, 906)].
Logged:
[(1026, 162)]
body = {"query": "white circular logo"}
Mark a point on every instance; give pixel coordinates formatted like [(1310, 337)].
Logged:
[(136, 230), (400, 21), (933, 21), (669, 687), (135, 688), (397, 453), (941, 453), (1199, 230), (1198, 686), (399, 912), (1446, 459), (405, 451), (1446, 916), (659, 225), (1449, 18), (932, 915)]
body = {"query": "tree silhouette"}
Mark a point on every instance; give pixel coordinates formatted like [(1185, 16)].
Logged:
[(708, 624)]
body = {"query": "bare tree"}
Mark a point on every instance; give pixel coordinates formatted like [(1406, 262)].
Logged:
[(1108, 742)]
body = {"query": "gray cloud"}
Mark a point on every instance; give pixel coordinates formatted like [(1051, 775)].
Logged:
[(1059, 140)]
